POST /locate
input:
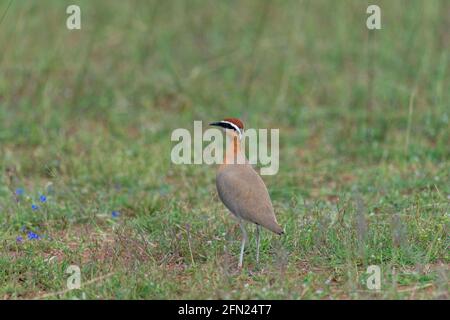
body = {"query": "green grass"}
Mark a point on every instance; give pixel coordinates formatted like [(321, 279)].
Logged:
[(86, 118)]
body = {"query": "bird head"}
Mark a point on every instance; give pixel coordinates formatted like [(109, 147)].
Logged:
[(232, 126)]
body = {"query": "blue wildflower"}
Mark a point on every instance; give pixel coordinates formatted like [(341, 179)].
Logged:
[(43, 198), (19, 192), (31, 235), (34, 207), (19, 239), (115, 214)]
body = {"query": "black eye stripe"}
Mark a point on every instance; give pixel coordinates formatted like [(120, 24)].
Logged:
[(228, 126)]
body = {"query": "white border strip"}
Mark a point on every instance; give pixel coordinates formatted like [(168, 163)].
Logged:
[(234, 126)]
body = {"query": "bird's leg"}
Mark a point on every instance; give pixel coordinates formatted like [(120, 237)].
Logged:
[(244, 239), (257, 242)]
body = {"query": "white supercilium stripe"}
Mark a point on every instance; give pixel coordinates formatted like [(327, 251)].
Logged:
[(234, 126)]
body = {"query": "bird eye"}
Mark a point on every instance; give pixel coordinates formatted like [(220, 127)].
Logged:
[(228, 126)]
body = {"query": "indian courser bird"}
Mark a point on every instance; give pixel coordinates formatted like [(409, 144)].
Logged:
[(241, 189)]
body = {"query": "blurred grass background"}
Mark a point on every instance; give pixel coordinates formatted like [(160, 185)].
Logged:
[(86, 117)]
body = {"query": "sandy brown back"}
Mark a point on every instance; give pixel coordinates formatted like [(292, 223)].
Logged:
[(244, 193)]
